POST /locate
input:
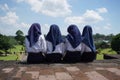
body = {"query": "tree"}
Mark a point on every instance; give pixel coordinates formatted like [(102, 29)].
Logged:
[(115, 43), (5, 43), (13, 40), (19, 37), (102, 45), (1, 40)]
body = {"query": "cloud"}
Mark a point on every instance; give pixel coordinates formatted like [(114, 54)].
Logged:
[(102, 10), (11, 19), (22, 24), (74, 20), (107, 27), (103, 28), (19, 1), (90, 16), (53, 8), (4, 7)]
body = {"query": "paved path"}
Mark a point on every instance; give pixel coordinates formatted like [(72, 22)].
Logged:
[(98, 70)]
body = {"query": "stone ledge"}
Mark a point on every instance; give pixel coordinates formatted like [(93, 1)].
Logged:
[(103, 69), (108, 56)]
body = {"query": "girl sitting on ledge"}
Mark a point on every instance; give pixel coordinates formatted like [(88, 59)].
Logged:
[(55, 45), (35, 44), (88, 49), (73, 44)]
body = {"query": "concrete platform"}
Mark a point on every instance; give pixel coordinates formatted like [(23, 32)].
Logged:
[(97, 70)]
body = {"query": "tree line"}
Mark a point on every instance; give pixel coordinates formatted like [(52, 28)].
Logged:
[(101, 41), (8, 42)]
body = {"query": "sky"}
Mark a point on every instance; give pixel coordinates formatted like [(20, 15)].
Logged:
[(102, 15)]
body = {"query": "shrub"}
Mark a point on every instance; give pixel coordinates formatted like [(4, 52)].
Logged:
[(115, 43)]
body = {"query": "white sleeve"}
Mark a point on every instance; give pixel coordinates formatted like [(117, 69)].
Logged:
[(82, 48), (49, 47), (65, 46), (43, 44), (40, 45), (85, 48), (26, 45)]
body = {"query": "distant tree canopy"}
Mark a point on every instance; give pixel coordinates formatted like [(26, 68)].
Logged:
[(102, 45), (19, 33), (115, 43), (101, 37), (5, 43), (20, 37), (102, 41)]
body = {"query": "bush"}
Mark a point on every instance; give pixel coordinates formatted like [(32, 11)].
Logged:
[(115, 43), (19, 37), (5, 43), (102, 45)]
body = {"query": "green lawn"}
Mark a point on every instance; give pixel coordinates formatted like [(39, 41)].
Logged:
[(17, 49), (107, 51), (104, 51), (9, 57), (99, 57)]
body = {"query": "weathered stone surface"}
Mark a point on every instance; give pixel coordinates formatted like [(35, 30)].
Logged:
[(63, 76), (47, 77), (102, 70)]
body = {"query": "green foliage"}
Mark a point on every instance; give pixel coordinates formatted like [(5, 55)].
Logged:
[(102, 45), (8, 57), (5, 43), (101, 53), (99, 57), (19, 37), (115, 43), (12, 40), (102, 41), (107, 51), (17, 49), (98, 36), (101, 37), (19, 33)]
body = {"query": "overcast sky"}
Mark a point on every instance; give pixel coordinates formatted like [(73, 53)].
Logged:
[(102, 15)]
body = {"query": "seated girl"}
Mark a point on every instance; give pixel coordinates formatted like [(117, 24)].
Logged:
[(55, 45), (88, 49), (73, 44), (35, 44)]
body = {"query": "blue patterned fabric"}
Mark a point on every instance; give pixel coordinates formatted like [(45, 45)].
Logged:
[(54, 35), (34, 33), (74, 36), (87, 37)]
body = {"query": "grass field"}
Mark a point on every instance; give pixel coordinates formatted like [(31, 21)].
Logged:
[(15, 53), (104, 51), (18, 49), (9, 57)]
